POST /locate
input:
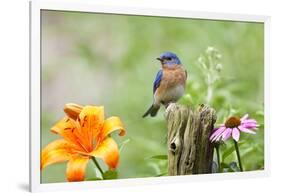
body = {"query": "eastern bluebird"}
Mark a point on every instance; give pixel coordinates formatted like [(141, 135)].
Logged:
[(169, 84)]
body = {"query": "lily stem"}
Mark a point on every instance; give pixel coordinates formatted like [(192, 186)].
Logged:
[(97, 164), (217, 146), (238, 155)]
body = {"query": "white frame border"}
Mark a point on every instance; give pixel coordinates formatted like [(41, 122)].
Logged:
[(35, 60)]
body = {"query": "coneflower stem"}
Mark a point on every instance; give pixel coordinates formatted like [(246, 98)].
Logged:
[(97, 164), (217, 146), (238, 155)]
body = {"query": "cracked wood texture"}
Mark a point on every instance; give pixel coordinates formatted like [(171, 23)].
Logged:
[(189, 148)]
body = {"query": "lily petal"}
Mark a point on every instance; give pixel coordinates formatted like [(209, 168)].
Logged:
[(62, 125), (76, 167), (91, 120), (68, 129), (92, 115), (55, 152), (112, 124), (72, 110), (235, 134), (108, 151)]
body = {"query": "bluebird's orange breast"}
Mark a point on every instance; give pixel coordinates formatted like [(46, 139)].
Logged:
[(172, 84), (173, 75)]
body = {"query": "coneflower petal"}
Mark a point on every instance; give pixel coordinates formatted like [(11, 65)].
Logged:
[(235, 134)]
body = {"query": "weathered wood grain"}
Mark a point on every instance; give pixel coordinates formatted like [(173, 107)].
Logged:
[(189, 148)]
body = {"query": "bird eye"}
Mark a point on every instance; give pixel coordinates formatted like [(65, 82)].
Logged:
[(169, 58)]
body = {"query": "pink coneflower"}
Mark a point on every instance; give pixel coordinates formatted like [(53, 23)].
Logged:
[(232, 127)]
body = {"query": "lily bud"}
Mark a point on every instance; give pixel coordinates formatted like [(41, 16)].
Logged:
[(72, 110)]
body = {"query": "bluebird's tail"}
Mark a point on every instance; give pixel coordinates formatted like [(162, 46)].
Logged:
[(152, 111)]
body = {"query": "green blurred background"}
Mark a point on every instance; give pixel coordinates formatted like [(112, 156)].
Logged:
[(109, 60)]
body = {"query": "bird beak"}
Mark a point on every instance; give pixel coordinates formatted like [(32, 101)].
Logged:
[(161, 60)]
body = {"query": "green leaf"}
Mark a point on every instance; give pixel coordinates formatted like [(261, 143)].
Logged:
[(234, 167), (110, 174), (229, 151), (224, 165), (93, 179), (161, 157), (121, 146), (261, 113), (231, 167), (162, 174), (215, 168)]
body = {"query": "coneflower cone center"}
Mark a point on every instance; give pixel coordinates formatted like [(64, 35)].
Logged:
[(232, 122)]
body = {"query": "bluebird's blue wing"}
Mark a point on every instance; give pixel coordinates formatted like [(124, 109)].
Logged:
[(157, 80)]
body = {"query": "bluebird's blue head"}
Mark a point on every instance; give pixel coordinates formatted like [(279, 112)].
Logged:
[(169, 58)]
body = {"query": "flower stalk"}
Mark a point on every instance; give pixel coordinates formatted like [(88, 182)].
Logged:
[(211, 67), (217, 146), (238, 155), (97, 165)]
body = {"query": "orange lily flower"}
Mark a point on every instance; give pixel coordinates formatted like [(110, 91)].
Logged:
[(84, 133)]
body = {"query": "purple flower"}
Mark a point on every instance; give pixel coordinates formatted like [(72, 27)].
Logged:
[(232, 128)]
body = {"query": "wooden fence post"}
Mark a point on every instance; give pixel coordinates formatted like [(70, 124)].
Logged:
[(189, 148)]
